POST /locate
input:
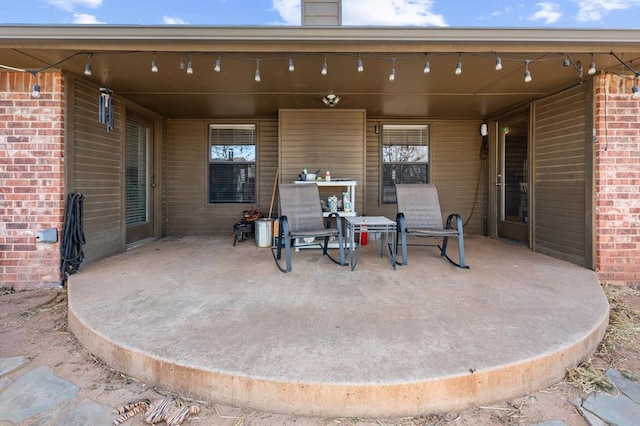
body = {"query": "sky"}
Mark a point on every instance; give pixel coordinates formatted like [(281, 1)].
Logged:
[(621, 14)]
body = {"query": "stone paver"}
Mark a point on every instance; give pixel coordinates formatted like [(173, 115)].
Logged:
[(33, 393)]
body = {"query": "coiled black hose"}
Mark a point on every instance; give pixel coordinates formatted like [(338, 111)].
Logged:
[(71, 254)]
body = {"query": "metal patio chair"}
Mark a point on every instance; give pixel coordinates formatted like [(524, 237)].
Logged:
[(419, 215), (301, 220)]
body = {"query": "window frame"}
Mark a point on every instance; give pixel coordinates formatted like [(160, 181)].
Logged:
[(251, 172), (384, 196)]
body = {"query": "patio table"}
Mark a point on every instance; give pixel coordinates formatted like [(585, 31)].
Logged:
[(375, 225)]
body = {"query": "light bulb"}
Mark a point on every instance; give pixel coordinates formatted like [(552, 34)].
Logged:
[(592, 66), (291, 67), (36, 91), (566, 62), (527, 76), (181, 63), (360, 64), (87, 68), (392, 74), (257, 77), (459, 68), (154, 65), (427, 67), (218, 65), (635, 92), (189, 67), (498, 64)]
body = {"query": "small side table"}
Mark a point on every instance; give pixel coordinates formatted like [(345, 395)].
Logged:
[(374, 224)]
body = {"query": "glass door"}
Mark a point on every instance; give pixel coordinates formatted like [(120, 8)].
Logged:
[(138, 211), (512, 180)]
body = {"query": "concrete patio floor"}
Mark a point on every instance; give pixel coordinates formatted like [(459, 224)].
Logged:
[(200, 317)]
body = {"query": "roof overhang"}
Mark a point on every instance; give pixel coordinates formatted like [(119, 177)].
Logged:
[(121, 58)]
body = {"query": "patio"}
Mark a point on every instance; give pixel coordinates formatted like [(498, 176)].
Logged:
[(197, 316)]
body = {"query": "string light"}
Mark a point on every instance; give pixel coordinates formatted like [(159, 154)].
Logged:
[(324, 66), (392, 74), (154, 64), (566, 62), (427, 65), (635, 90), (87, 68), (181, 62), (592, 66), (360, 64), (527, 73), (257, 77), (498, 63), (189, 65), (291, 67), (459, 65), (36, 88), (218, 65)]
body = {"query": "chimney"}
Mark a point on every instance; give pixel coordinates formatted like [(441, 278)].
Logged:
[(327, 13)]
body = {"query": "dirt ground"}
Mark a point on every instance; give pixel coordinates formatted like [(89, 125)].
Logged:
[(33, 324)]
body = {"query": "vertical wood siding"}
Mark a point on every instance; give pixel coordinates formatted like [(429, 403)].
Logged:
[(560, 175), (187, 209), (97, 171), (455, 167), (331, 140)]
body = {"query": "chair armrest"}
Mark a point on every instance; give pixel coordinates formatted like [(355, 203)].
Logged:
[(458, 221), (283, 226), (400, 221), (338, 220)]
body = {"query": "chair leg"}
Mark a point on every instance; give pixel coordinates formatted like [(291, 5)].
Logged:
[(461, 250)]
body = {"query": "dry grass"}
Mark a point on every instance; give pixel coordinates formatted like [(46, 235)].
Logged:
[(622, 336)]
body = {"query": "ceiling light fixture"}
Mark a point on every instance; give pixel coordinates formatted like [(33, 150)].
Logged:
[(87, 68), (527, 73), (324, 66), (292, 68), (331, 100), (218, 65), (154, 64), (459, 65), (360, 64), (498, 63), (592, 66), (257, 77), (392, 74), (427, 65)]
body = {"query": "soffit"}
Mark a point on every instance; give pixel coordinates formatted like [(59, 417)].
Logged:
[(122, 57)]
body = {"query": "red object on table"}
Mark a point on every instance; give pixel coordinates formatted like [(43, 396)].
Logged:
[(363, 236)]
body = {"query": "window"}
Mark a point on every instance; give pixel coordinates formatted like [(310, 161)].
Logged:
[(232, 163), (405, 157)]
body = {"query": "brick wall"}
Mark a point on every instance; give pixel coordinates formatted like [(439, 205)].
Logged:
[(31, 178), (617, 180)]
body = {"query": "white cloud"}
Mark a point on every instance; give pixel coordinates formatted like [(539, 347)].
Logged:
[(391, 12), (593, 10), (547, 12), (371, 12), (71, 5), (172, 20), (289, 10), (83, 18)]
